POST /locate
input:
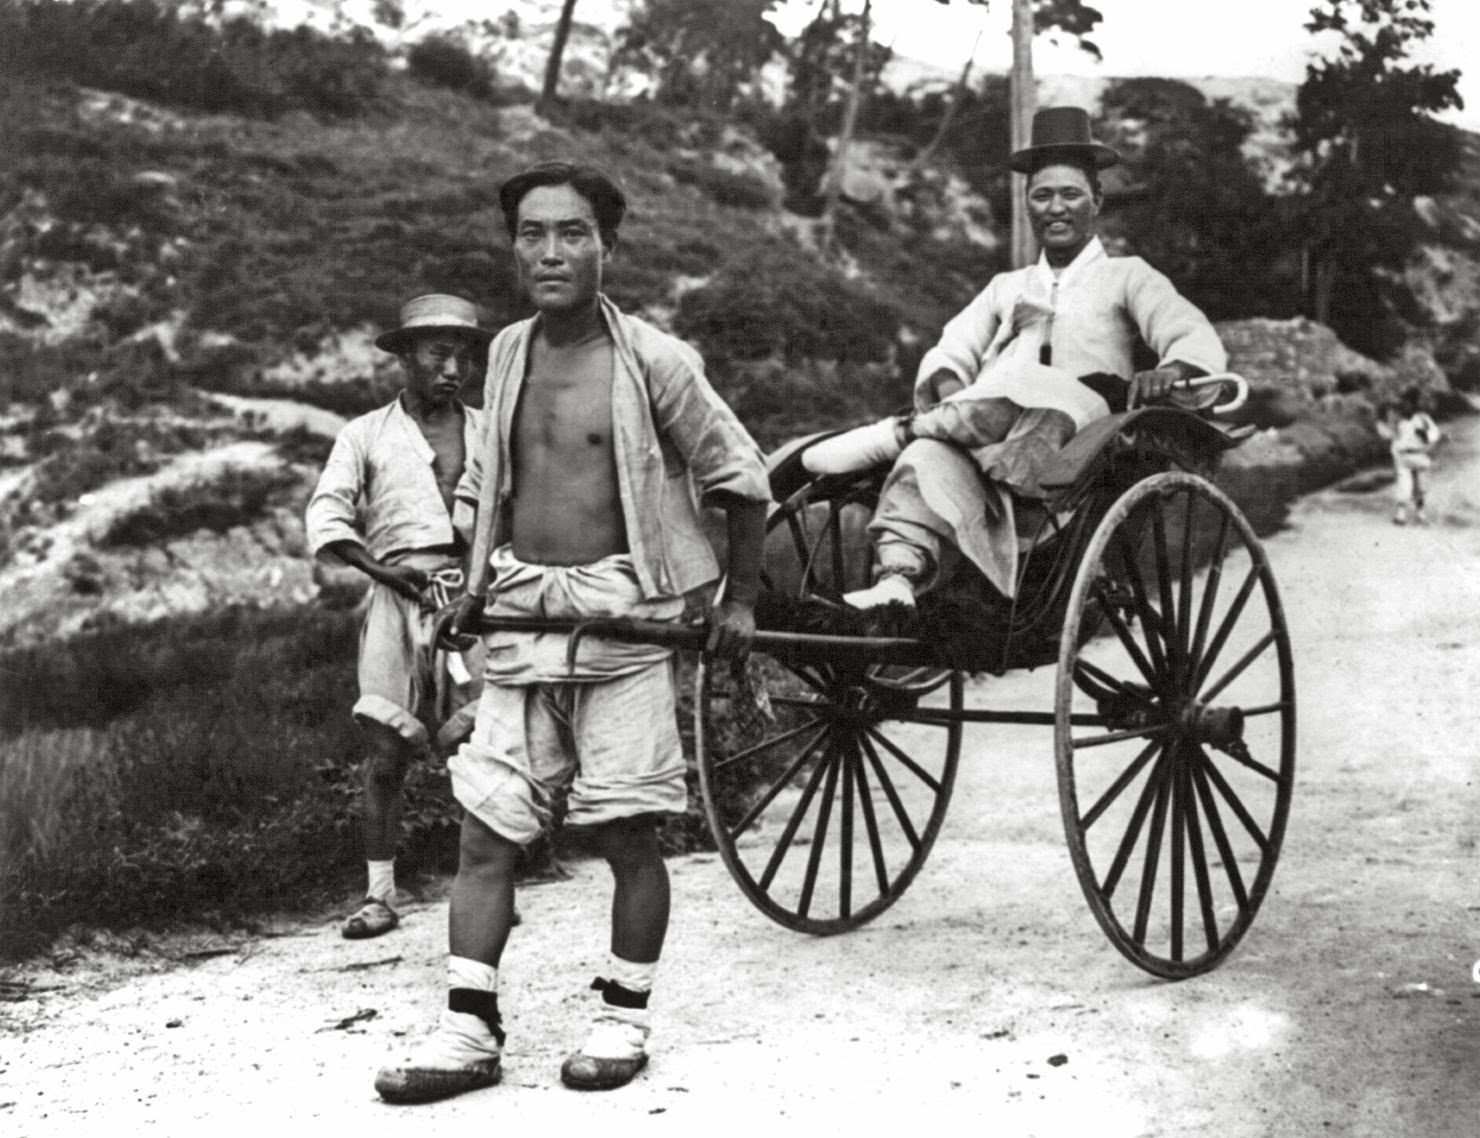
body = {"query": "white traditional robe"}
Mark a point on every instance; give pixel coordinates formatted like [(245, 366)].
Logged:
[(1090, 316)]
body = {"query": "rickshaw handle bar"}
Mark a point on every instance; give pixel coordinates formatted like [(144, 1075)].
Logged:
[(691, 636)]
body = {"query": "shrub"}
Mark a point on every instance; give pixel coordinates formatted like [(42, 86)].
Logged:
[(776, 301), (441, 61), (237, 496), (725, 187)]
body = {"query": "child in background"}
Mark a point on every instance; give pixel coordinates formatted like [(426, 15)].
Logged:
[(1413, 435)]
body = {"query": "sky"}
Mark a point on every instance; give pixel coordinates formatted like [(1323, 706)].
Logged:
[(1168, 38)]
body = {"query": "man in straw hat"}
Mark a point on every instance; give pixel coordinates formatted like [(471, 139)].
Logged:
[(383, 505), (602, 437), (1038, 354)]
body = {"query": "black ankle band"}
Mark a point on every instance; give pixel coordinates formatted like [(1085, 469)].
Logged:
[(484, 1005), (618, 996)]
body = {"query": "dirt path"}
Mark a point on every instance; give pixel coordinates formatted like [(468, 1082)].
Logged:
[(987, 993)]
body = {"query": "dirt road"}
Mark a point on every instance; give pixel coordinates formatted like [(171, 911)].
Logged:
[(986, 995)]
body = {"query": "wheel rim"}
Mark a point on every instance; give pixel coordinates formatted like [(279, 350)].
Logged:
[(824, 814), (1175, 728)]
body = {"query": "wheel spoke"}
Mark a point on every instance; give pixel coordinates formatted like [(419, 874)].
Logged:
[(1234, 802), (1150, 619), (766, 744), (1184, 605), (845, 838), (779, 785), (1265, 709), (1151, 731), (1225, 627), (900, 814), (1199, 858), (908, 763), (1149, 672), (1220, 836), (1118, 786), (1210, 596), (1132, 833), (1237, 670), (870, 822), (1178, 852), (1241, 756), (819, 833), (1163, 778), (1106, 680), (1169, 616), (799, 811)]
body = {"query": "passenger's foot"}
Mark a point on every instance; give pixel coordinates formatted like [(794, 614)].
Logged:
[(613, 1053), (373, 918), (858, 449), (1400, 516), (890, 588), (1420, 518), (460, 1055)]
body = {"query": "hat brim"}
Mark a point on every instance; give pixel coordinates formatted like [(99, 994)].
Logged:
[(1030, 158), (397, 339)]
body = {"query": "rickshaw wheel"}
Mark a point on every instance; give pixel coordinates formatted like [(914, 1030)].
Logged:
[(824, 811), (1175, 727)]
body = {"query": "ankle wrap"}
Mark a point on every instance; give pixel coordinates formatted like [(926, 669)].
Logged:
[(484, 1005), (618, 996)]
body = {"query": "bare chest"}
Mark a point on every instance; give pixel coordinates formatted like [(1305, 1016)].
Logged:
[(566, 405)]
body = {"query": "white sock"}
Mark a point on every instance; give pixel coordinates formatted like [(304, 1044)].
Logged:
[(631, 975), (890, 588), (464, 972), (382, 881), (858, 449)]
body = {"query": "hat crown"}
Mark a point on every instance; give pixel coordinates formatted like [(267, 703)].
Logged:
[(437, 309), (1061, 126), (432, 311)]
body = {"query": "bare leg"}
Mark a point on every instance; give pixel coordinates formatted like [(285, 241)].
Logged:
[(481, 911), (640, 897), (387, 757)]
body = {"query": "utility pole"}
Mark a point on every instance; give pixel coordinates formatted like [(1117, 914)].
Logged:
[(1023, 99)]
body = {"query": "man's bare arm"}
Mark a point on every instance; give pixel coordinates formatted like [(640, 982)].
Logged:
[(732, 628), (403, 579)]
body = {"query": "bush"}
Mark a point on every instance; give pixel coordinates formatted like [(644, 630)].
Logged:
[(778, 302), (235, 497), (743, 191), (441, 61)]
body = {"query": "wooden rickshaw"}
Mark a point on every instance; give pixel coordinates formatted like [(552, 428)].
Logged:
[(1173, 708)]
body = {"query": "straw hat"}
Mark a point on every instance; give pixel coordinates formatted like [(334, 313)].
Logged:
[(1062, 133), (433, 312)]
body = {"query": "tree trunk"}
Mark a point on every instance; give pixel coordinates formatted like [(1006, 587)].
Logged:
[(557, 52), (1023, 99), (845, 136)]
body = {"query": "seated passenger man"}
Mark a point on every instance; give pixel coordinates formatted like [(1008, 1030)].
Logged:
[(1038, 354)]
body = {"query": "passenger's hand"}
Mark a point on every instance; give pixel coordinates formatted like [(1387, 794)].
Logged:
[(1153, 386), (457, 624), (405, 580), (731, 631), (943, 384)]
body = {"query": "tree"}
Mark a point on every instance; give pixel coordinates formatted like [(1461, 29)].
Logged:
[(1364, 127), (557, 53), (1195, 208), (700, 52)]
